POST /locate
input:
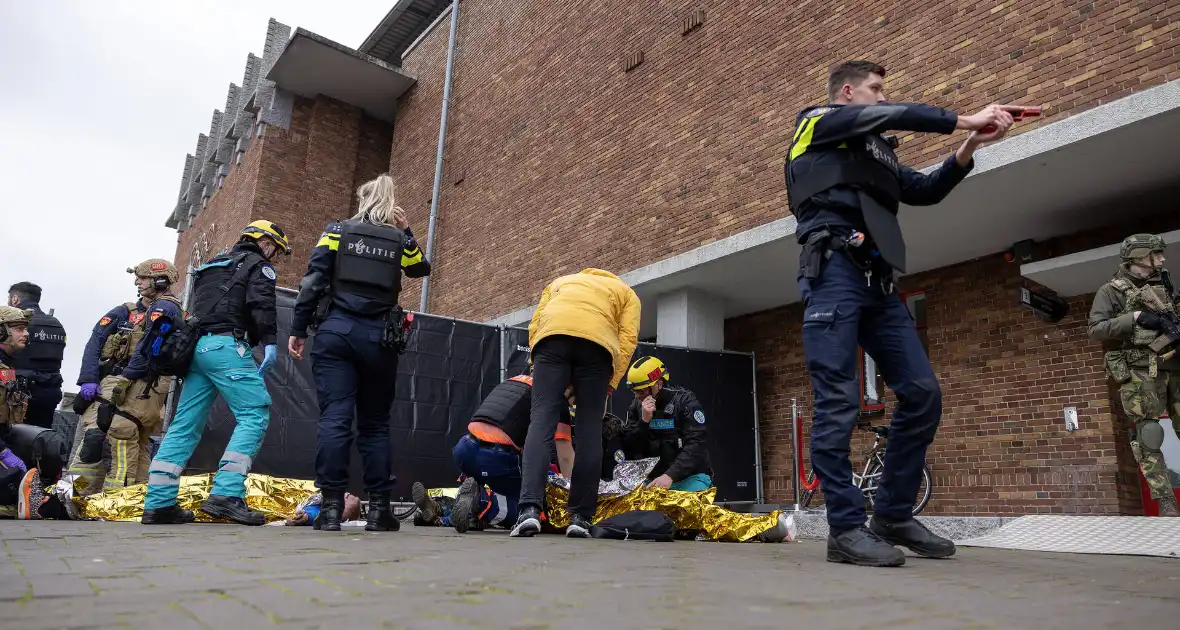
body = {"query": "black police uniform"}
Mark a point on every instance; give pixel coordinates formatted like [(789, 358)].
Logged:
[(676, 434), (40, 365), (358, 266), (843, 176)]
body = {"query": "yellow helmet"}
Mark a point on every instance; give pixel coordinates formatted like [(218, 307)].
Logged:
[(645, 371), (262, 227)]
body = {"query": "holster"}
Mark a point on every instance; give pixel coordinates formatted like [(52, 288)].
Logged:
[(815, 254), (107, 412), (396, 334), (321, 310)]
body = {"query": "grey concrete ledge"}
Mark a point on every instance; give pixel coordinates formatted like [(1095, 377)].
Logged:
[(813, 524)]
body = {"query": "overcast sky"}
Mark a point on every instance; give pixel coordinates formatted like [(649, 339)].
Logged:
[(101, 102)]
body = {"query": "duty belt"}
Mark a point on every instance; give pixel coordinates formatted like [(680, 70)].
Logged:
[(818, 248)]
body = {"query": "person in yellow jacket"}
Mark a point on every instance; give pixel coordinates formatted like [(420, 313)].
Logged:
[(583, 334)]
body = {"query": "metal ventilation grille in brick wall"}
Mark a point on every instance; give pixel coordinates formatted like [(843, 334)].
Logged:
[(632, 61), (692, 22)]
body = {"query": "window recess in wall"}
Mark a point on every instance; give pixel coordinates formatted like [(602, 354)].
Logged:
[(692, 22), (872, 382), (632, 61)]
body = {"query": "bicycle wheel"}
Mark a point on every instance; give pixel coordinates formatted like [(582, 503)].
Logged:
[(925, 489)]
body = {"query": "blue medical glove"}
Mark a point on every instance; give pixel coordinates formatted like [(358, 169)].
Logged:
[(268, 357)]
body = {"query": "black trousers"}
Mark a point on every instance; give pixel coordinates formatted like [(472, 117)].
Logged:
[(42, 403), (355, 378), (558, 361)]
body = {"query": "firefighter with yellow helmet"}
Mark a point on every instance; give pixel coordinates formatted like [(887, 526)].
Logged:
[(232, 309), (666, 422), (123, 395)]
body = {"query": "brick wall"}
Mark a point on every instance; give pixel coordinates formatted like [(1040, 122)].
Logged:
[(687, 148), (229, 208), (1006, 376), (301, 178)]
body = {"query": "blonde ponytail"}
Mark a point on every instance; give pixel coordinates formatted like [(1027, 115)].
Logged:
[(376, 201)]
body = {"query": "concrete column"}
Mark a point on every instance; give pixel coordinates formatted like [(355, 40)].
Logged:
[(690, 318)]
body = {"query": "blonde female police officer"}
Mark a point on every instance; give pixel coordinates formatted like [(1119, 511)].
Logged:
[(233, 297), (357, 264)]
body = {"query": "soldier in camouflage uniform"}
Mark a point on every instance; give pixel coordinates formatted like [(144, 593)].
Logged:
[(1128, 314)]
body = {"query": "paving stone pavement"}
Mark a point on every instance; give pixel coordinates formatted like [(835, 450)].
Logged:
[(61, 574)]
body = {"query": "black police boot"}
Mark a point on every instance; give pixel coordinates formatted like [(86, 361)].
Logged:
[(912, 535), (528, 523), (171, 515), (862, 547), (429, 511), (233, 508), (381, 518), (578, 528), (466, 505), (331, 508)]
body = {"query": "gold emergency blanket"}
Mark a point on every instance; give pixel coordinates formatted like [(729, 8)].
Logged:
[(275, 497), (688, 510)]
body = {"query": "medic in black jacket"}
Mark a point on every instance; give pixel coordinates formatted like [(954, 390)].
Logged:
[(669, 423), (248, 311), (232, 308), (845, 186), (353, 279), (40, 363)]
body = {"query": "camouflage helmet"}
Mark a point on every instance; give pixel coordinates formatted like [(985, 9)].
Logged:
[(1137, 246), (13, 315), (155, 268)]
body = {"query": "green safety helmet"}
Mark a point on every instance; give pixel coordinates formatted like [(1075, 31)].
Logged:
[(1137, 246)]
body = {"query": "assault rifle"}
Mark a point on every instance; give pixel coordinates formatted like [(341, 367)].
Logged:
[(1168, 342)]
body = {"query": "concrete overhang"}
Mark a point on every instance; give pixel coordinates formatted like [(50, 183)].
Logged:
[(404, 24), (1083, 272), (1051, 181), (311, 65)]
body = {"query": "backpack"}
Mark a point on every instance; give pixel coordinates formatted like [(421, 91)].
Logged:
[(174, 356), (636, 525)]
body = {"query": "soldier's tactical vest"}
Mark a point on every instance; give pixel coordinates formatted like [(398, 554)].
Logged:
[(14, 397), (120, 345), (47, 345), (508, 407), (1134, 352), (369, 261)]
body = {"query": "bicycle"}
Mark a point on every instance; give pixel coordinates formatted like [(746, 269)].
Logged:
[(867, 479)]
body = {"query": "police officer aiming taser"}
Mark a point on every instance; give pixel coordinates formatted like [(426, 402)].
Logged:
[(351, 288), (40, 363), (845, 186)]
